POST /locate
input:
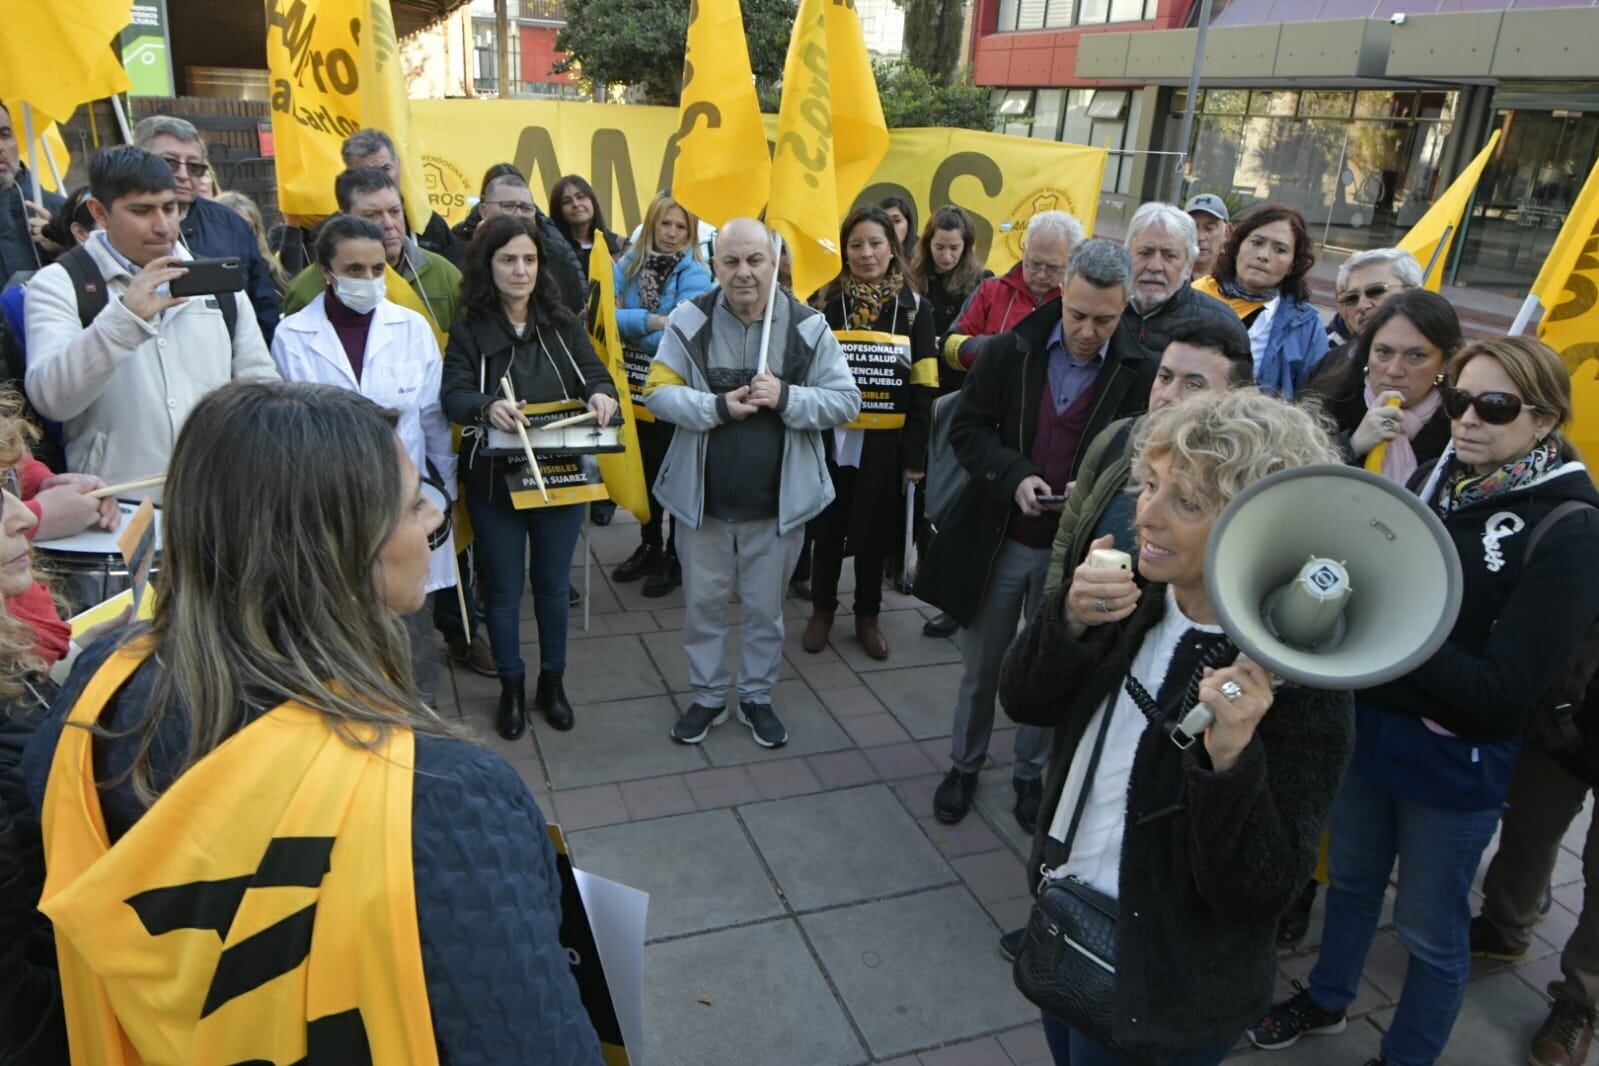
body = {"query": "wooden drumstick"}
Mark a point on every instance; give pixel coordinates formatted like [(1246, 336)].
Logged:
[(521, 431), (572, 421), (127, 486)]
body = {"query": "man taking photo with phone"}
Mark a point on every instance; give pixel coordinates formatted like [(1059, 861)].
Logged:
[(112, 355)]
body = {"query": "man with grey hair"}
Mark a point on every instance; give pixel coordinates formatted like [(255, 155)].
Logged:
[(1036, 397), (209, 230), (1163, 242), (999, 304), (1365, 281), (375, 148)]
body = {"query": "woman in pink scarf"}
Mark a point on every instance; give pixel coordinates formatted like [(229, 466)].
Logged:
[(1399, 358)]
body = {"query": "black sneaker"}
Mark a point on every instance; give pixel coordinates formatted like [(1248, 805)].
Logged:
[(645, 558), (666, 576), (953, 800), (695, 722), (1291, 1019), (764, 725), (1029, 797), (1488, 943), (1010, 945)]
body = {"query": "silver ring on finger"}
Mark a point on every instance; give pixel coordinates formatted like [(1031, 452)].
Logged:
[(1388, 425), (1101, 606), (1231, 690)]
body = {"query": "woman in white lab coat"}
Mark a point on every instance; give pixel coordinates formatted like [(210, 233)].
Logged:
[(351, 336)]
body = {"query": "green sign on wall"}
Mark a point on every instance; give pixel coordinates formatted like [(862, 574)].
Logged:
[(145, 50)]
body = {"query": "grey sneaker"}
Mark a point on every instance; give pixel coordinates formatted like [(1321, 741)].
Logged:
[(695, 722), (764, 725)]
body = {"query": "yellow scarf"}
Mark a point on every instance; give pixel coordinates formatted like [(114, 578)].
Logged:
[(1242, 307), (262, 910)]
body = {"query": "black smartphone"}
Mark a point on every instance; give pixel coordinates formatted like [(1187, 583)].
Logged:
[(207, 277), (1050, 499)]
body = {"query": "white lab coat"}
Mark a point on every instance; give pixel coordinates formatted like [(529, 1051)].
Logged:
[(400, 371)]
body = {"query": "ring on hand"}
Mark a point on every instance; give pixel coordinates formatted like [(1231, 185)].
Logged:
[(1388, 425), (1231, 690), (1101, 606)]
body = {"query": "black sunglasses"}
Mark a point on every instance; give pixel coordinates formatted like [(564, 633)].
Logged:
[(196, 170), (1370, 292), (1494, 408)]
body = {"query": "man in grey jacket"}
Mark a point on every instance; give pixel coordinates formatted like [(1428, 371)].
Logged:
[(746, 468)]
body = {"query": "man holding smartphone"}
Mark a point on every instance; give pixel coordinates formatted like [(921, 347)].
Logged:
[(112, 355), (1038, 394)]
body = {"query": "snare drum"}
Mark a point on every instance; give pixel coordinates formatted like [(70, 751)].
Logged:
[(87, 568)]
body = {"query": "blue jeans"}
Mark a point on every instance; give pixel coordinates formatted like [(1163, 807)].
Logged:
[(1074, 1049), (1438, 851), (501, 536)]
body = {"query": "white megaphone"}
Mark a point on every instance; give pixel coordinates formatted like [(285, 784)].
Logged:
[(1330, 577)]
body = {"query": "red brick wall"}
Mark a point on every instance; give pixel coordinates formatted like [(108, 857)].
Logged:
[(1048, 57)]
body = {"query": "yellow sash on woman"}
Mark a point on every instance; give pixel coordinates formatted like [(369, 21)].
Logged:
[(262, 910)]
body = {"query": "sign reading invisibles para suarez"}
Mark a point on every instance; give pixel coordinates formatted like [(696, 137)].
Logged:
[(881, 363)]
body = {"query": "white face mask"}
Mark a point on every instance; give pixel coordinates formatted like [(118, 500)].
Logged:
[(360, 294)]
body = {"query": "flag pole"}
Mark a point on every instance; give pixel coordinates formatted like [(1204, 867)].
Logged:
[(1443, 242), (1524, 315), (33, 150), (122, 119), (771, 301)]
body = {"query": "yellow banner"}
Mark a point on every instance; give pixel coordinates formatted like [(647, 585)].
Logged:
[(720, 141), (335, 68), (1003, 181), (1568, 288), (56, 56), (623, 473), (1430, 239)]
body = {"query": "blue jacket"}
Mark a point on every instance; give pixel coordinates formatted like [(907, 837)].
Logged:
[(1297, 343), (211, 231), (488, 895), (17, 250), (687, 280)]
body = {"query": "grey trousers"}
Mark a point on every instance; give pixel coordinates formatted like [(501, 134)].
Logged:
[(1544, 798), (718, 559), (1016, 583), (424, 650)]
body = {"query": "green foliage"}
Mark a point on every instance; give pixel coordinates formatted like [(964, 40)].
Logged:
[(933, 37), (641, 42), (911, 97)]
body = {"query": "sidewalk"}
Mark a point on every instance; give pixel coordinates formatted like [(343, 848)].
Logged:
[(805, 907)]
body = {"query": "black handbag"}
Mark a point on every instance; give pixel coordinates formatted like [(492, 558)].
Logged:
[(1067, 962)]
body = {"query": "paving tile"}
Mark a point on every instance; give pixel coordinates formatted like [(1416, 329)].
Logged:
[(1368, 997), (908, 990), (1360, 1042), (711, 998), (584, 808), (823, 676), (656, 797), (991, 875), (1538, 973), (1025, 1045), (721, 788), (922, 698), (842, 769), (616, 742), (851, 702), (1496, 1021), (810, 728), (1009, 914), (907, 646), (983, 1052), (784, 778), (896, 761), (970, 836), (917, 794), (699, 870), (995, 801), (841, 847), (874, 730), (666, 649), (606, 669)]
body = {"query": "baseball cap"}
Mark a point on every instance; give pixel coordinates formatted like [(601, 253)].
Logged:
[(1209, 203)]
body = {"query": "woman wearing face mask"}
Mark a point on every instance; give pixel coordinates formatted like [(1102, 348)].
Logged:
[(351, 336), (1385, 399), (262, 729), (1435, 750), (515, 326), (871, 467), (1261, 276), (659, 272)]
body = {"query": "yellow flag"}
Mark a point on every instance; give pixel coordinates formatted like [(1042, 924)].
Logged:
[(1568, 289), (334, 68), (56, 55), (1429, 240), (830, 137), (722, 170), (623, 472)]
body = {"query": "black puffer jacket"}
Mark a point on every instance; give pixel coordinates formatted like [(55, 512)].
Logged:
[(1153, 331), (947, 305), (1201, 885)]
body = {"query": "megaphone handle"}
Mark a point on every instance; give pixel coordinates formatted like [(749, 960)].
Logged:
[(1198, 719)]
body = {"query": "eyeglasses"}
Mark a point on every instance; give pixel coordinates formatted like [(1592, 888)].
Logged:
[(1376, 292), (513, 207), (1494, 408), (1034, 266), (196, 170)]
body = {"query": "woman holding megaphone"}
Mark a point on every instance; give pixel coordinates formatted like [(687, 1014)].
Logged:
[(1152, 937), (1438, 747)]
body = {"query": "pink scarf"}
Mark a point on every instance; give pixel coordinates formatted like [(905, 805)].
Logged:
[(1399, 461)]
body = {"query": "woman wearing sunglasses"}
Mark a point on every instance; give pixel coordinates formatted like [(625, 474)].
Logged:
[(1385, 400), (1436, 749)]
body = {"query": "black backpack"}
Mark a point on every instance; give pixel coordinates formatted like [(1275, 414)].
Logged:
[(89, 285), (1560, 719)]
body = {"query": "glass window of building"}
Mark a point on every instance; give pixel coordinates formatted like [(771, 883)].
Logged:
[(1005, 22), (1061, 13), (1048, 107), (1030, 15)]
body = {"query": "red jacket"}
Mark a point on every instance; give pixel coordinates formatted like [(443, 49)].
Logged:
[(996, 307)]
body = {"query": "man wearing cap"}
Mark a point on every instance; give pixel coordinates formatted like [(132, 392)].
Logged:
[(1209, 213)]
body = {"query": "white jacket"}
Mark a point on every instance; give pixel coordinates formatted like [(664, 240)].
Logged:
[(400, 370), (123, 387)]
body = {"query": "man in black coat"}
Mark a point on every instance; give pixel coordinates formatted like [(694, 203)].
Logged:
[(508, 194), (1163, 242), (1029, 406), (22, 245)]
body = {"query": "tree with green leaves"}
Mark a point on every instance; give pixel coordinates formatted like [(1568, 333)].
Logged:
[(641, 43), (933, 37), (911, 97)]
